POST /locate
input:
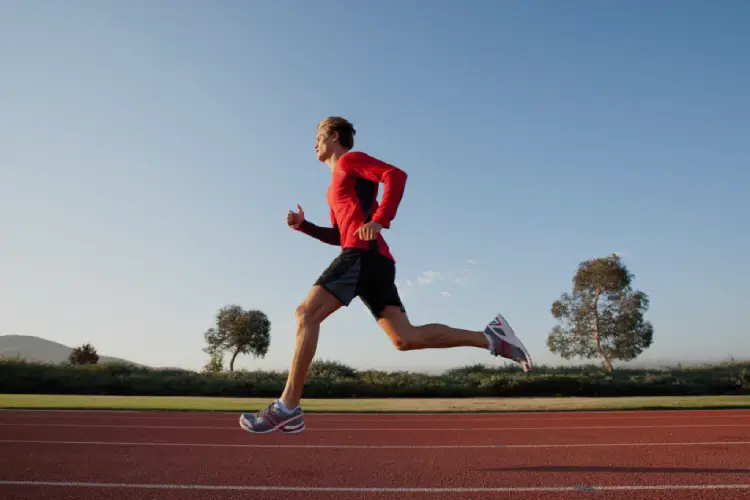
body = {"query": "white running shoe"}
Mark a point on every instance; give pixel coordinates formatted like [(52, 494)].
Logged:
[(504, 342)]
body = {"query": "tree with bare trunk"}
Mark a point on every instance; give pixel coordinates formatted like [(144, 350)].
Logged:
[(238, 332), (603, 316)]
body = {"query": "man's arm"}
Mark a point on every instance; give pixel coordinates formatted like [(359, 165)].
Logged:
[(367, 167), (330, 235)]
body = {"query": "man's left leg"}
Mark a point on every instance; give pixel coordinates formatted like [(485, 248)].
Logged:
[(336, 287), (318, 305), (285, 414)]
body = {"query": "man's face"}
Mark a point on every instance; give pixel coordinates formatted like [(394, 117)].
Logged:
[(324, 145)]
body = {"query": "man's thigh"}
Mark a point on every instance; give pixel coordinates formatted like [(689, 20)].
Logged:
[(318, 305), (378, 286), (342, 278)]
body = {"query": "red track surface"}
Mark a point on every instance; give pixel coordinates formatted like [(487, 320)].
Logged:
[(166, 456)]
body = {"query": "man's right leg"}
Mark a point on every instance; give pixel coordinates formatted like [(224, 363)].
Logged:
[(407, 337), (498, 337), (382, 298)]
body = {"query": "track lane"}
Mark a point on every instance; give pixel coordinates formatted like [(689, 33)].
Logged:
[(402, 420), (236, 436), (537, 465), (89, 493), (377, 468)]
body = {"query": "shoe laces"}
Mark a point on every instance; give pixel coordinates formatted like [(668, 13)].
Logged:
[(265, 411)]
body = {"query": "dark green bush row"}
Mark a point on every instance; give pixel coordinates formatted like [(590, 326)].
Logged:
[(334, 380)]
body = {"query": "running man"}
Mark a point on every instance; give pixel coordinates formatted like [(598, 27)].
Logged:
[(366, 269)]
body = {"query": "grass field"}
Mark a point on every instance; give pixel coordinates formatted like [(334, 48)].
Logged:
[(372, 405)]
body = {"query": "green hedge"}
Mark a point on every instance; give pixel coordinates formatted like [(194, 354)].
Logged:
[(335, 380)]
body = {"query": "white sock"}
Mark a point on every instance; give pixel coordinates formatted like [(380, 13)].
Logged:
[(283, 406), (491, 341)]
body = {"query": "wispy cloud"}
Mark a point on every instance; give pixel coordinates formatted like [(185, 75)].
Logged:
[(449, 278), (430, 277), (463, 277), (404, 292), (472, 262)]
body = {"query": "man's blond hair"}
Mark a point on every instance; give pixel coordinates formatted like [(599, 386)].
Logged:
[(342, 126)]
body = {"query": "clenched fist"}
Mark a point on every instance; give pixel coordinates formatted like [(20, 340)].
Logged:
[(294, 219)]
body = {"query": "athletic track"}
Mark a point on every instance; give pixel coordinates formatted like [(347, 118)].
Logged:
[(84, 455)]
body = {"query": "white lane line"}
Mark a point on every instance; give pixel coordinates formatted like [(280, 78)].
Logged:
[(353, 489), (740, 411), (377, 446), (386, 429), (317, 417)]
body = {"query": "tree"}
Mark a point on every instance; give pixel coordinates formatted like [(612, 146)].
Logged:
[(215, 364), (84, 355), (603, 316), (239, 332)]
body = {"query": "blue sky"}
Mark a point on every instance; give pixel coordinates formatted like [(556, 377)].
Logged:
[(149, 152)]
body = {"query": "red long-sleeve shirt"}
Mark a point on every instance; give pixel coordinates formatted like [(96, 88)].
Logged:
[(352, 199)]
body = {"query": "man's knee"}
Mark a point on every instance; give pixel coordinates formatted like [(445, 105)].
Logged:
[(402, 343), (400, 331), (318, 305), (305, 314)]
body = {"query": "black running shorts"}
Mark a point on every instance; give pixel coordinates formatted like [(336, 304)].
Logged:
[(365, 274)]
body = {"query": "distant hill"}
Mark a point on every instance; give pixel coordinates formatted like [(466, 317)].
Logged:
[(42, 350)]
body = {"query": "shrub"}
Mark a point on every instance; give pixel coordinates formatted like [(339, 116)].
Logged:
[(331, 379)]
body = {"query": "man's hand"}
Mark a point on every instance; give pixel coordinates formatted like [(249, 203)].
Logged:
[(369, 231), (294, 219)]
